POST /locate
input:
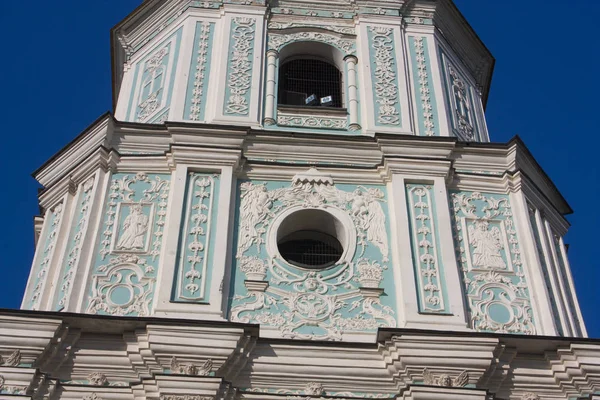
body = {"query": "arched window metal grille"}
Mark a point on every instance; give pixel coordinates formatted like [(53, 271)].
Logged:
[(302, 78)]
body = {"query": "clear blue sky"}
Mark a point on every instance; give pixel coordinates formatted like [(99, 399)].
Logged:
[(55, 73)]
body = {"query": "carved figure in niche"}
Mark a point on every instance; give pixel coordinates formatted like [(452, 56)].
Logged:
[(488, 244), (256, 206), (369, 213), (134, 229)]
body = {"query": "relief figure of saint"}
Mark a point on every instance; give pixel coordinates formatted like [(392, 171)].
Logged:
[(488, 245), (134, 229)]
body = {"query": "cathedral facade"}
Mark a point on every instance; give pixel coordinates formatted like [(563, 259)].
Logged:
[(297, 199)]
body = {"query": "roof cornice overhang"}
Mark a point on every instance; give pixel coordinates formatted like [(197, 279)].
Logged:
[(522, 343), (110, 324), (107, 139), (127, 34), (456, 31)]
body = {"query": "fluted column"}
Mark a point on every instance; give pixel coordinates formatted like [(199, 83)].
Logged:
[(352, 92), (270, 100)]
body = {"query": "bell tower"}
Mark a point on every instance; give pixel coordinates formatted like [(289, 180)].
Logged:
[(281, 174)]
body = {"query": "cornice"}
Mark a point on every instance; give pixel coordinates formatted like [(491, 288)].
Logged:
[(64, 346), (112, 145), (93, 137)]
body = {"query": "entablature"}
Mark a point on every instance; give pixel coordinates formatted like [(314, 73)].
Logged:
[(162, 358)]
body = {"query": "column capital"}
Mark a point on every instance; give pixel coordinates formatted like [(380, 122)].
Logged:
[(272, 52), (351, 58)]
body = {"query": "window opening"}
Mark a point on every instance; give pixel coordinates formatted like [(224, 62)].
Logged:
[(310, 82), (310, 249)]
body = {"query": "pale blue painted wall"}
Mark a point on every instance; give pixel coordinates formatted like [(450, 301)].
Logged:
[(275, 308), (124, 272), (155, 77), (75, 241), (489, 255)]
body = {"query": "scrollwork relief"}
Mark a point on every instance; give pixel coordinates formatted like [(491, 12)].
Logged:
[(345, 30), (312, 304), (384, 75), (124, 274), (49, 242), (194, 246), (424, 85), (530, 396), (425, 248), (152, 84), (76, 241), (14, 390), (489, 252), (203, 43), (240, 65), (93, 396), (463, 112), (311, 121), (121, 288), (13, 360), (277, 40)]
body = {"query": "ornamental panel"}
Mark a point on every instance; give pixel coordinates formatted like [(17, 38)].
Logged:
[(277, 40), (431, 290), (43, 258), (196, 243), (490, 257), (312, 121), (239, 70), (129, 245), (425, 97), (384, 75), (195, 102), (76, 239), (462, 105), (153, 82), (351, 295)]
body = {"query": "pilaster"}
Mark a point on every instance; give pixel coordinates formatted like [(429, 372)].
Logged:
[(440, 271), (535, 277)]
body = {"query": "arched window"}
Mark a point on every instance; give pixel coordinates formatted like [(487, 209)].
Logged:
[(310, 82)]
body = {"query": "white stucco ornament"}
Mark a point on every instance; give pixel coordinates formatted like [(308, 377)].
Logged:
[(530, 396), (313, 389), (97, 379), (13, 360), (190, 369), (445, 380)]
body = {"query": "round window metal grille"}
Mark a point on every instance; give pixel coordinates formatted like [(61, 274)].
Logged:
[(310, 249)]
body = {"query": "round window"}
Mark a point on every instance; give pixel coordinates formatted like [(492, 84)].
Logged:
[(311, 239)]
